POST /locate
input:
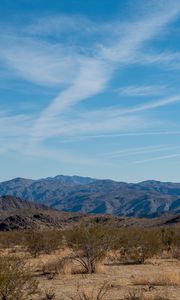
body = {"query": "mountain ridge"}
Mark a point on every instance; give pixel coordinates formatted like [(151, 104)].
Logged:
[(18, 214), (148, 198)]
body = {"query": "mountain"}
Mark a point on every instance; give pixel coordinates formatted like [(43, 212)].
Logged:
[(83, 194), (9, 203), (18, 214)]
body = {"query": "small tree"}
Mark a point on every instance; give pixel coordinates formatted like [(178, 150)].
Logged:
[(89, 244), (15, 280)]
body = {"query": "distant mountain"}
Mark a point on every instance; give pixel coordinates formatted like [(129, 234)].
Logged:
[(83, 194), (18, 214), (9, 203)]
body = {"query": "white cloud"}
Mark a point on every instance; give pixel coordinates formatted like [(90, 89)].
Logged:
[(95, 73), (78, 138), (82, 72), (145, 150), (165, 157), (38, 61), (148, 90)]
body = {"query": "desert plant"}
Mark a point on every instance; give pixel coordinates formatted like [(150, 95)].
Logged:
[(138, 294), (86, 294), (89, 244), (16, 282), (38, 242), (167, 236), (136, 245), (58, 266), (134, 294), (159, 279), (49, 294), (11, 238), (175, 252)]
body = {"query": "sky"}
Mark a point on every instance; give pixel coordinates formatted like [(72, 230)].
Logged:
[(90, 88)]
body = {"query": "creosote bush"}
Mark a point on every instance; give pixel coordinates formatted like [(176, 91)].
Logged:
[(38, 242), (89, 244), (10, 239), (135, 245), (170, 238), (15, 280)]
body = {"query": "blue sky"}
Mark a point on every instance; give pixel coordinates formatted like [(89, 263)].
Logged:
[(90, 88)]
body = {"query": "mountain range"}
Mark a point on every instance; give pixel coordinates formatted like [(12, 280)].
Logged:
[(18, 214), (88, 195)]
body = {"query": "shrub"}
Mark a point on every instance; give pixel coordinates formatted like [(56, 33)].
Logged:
[(38, 242), (59, 266), (159, 279), (89, 244), (170, 238), (49, 294), (139, 294), (11, 238), (137, 245), (15, 280), (87, 294), (175, 252)]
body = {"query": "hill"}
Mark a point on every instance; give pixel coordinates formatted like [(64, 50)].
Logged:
[(88, 195), (18, 214)]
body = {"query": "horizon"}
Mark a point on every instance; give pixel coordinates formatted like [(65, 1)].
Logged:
[(90, 88), (59, 175)]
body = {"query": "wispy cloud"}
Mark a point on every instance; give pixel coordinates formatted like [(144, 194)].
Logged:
[(165, 157), (142, 150), (79, 138), (38, 61), (170, 60), (43, 54), (134, 91), (95, 73)]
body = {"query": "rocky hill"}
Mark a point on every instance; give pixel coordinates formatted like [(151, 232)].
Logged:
[(17, 214), (87, 195)]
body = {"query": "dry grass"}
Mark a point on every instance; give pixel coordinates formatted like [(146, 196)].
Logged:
[(159, 276), (58, 266), (139, 294), (66, 266), (89, 293), (159, 279), (49, 294), (175, 252)]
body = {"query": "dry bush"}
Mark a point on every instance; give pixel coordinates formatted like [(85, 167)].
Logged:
[(175, 252), (159, 279), (134, 295), (91, 294), (58, 266), (16, 282), (49, 294), (99, 268), (89, 245), (136, 245), (139, 294), (170, 238), (38, 242), (11, 238)]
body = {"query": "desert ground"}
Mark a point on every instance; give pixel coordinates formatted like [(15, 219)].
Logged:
[(155, 278), (80, 267)]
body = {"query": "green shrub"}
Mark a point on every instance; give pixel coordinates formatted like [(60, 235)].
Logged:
[(15, 280)]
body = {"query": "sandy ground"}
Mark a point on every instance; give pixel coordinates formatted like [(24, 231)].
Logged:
[(122, 279)]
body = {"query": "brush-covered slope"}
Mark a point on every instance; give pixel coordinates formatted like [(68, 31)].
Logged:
[(16, 214)]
